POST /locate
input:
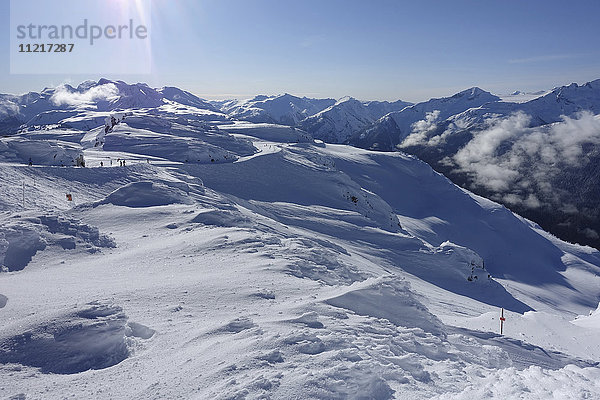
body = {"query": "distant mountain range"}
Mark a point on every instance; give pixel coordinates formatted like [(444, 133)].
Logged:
[(338, 122), (537, 153), (325, 119)]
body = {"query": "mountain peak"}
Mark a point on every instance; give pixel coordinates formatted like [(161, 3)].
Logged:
[(476, 93), (104, 81), (473, 91), (345, 99)]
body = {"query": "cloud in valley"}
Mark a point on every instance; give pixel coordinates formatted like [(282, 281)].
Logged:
[(422, 129), (518, 162)]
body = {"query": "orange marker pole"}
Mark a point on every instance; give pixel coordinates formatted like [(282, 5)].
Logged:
[(502, 319)]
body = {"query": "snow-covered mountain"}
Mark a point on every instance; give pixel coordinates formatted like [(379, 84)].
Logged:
[(284, 109), (472, 107), (15, 110), (544, 109), (67, 103), (186, 98), (338, 122), (378, 109), (537, 157), (379, 136), (197, 258), (326, 119)]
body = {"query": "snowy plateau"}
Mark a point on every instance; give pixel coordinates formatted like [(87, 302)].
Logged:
[(213, 251)]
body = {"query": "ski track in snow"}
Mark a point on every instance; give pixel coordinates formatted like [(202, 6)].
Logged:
[(280, 269)]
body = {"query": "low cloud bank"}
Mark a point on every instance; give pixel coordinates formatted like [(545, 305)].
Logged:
[(519, 162)]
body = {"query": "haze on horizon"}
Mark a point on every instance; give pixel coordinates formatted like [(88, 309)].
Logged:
[(377, 50)]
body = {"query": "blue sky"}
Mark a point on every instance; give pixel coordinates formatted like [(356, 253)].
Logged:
[(370, 49)]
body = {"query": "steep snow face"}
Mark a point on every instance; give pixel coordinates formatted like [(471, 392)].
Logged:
[(336, 123), (432, 208), (9, 113), (284, 109), (347, 116), (138, 95)]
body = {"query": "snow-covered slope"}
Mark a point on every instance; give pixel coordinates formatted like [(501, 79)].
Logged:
[(283, 109), (338, 122), (278, 269)]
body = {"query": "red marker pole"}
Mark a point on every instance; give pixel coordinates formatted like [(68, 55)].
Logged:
[(502, 319)]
